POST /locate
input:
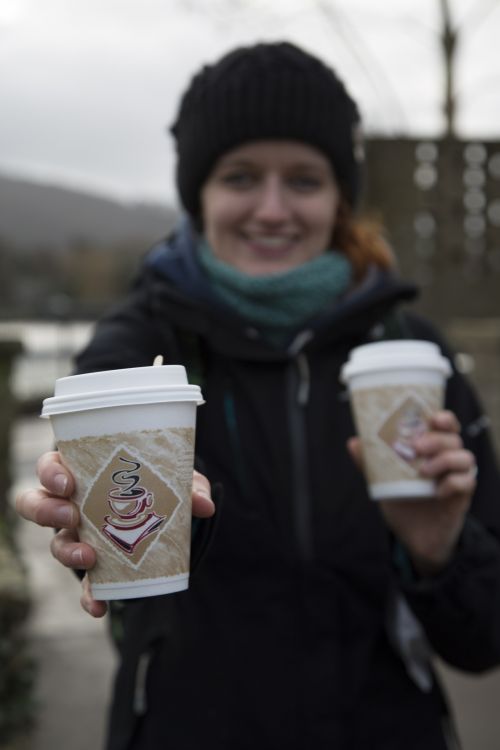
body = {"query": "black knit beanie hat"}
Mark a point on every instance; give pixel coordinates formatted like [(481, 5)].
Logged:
[(267, 91)]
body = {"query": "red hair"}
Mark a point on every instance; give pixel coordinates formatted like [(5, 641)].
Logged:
[(362, 240)]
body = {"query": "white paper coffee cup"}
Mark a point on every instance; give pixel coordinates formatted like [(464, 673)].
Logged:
[(127, 436), (394, 386)]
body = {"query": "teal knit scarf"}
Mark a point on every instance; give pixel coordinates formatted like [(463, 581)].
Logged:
[(279, 303)]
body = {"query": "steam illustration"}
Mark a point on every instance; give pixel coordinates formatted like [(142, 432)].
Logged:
[(125, 478)]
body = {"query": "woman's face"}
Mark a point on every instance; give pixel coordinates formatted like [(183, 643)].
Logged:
[(269, 206)]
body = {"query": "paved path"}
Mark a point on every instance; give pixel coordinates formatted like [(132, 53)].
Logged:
[(76, 660)]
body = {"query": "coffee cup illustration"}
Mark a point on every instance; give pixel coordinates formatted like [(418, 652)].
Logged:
[(410, 425), (133, 518)]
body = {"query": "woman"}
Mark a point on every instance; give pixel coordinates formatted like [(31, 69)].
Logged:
[(312, 618)]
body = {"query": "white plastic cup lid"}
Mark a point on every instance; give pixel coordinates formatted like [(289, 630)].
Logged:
[(395, 355), (130, 386)]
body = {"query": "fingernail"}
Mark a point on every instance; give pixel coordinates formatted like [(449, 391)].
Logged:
[(60, 483), (64, 515), (204, 493), (77, 557)]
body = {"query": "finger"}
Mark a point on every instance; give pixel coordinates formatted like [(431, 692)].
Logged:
[(456, 484), (203, 505), (54, 476), (456, 461), (355, 449), (89, 604), (432, 443), (37, 506), (444, 421), (68, 550)]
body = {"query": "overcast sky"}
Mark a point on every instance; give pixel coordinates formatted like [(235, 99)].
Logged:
[(87, 87)]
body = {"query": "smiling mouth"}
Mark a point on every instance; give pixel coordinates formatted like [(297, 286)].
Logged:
[(270, 243)]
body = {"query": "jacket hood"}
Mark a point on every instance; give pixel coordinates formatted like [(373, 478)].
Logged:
[(174, 259)]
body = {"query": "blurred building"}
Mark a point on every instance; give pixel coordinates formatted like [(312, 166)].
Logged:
[(440, 201)]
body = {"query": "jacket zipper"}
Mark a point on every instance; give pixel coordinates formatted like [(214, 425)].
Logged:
[(298, 386)]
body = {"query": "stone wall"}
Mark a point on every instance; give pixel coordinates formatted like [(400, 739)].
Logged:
[(15, 665), (8, 351)]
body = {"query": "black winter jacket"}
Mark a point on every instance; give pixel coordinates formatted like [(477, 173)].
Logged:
[(300, 629)]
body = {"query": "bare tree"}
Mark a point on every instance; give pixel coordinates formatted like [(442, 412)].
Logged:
[(449, 36)]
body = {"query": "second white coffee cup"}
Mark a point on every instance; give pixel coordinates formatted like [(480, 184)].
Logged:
[(394, 386)]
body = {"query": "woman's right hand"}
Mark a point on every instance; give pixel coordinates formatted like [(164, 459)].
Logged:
[(50, 505)]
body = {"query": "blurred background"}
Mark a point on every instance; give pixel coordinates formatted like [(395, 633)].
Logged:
[(87, 93)]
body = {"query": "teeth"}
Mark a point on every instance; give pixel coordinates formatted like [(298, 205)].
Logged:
[(271, 241)]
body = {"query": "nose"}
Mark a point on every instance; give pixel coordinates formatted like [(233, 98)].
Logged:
[(272, 202)]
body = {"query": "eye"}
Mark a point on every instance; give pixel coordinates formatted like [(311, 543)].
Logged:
[(239, 179), (305, 183)]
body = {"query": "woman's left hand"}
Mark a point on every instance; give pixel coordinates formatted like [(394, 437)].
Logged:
[(430, 528)]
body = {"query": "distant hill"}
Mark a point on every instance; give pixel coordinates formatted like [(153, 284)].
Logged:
[(34, 214)]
